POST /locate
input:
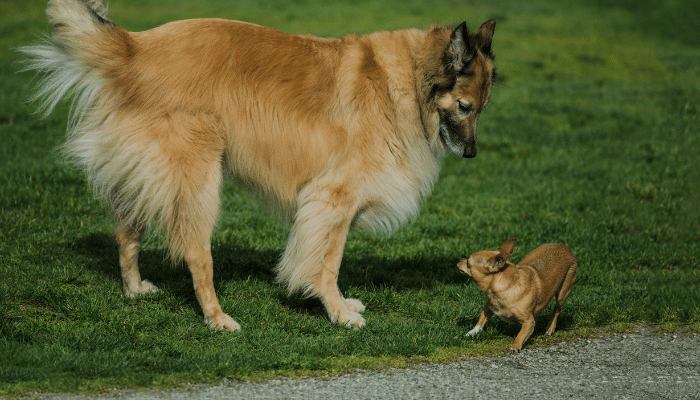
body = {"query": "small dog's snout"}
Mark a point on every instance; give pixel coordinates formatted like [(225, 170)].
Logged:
[(462, 265)]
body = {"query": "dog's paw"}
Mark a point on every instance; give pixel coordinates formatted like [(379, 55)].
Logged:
[(514, 350), (351, 320), (354, 305), (474, 331), (148, 287), (144, 288), (222, 322)]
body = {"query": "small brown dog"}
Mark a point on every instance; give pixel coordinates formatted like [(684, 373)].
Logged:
[(519, 292)]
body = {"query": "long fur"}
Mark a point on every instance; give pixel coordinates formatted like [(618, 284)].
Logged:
[(332, 132)]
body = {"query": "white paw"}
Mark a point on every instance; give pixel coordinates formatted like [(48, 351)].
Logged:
[(148, 287), (475, 330), (145, 287), (223, 322), (354, 305), (351, 320)]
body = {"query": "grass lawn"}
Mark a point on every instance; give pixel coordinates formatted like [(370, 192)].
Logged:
[(591, 139)]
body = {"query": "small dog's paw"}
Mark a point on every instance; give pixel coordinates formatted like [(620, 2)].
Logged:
[(222, 322), (474, 331), (354, 305), (514, 350)]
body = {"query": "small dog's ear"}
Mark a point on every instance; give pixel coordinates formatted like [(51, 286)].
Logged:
[(506, 249), (497, 263)]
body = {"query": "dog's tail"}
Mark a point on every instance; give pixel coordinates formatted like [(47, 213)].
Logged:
[(84, 50)]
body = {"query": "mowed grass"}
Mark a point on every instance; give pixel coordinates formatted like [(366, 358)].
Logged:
[(591, 139)]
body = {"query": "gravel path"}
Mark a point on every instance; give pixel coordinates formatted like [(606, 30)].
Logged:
[(639, 365)]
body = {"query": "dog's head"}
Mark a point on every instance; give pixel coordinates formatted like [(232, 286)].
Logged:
[(487, 262), (460, 86)]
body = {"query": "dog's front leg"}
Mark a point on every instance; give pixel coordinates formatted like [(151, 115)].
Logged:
[(340, 310), (311, 262), (486, 313)]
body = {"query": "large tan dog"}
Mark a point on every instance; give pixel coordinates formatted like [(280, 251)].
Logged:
[(519, 293), (332, 132)]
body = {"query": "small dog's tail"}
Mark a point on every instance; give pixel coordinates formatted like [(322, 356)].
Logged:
[(84, 50)]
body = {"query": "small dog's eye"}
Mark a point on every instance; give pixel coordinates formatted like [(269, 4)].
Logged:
[(465, 108)]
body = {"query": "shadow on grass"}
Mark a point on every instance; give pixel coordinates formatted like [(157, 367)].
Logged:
[(238, 265), (233, 263)]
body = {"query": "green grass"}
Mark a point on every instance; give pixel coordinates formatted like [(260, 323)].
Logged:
[(591, 140)]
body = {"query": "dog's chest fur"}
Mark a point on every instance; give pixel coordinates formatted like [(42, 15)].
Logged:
[(511, 288)]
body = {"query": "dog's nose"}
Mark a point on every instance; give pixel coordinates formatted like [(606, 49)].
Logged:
[(470, 150), (461, 264)]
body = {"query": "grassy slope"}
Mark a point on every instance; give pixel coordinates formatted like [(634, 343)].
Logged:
[(591, 140)]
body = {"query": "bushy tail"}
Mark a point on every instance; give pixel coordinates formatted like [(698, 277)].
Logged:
[(141, 179), (77, 59)]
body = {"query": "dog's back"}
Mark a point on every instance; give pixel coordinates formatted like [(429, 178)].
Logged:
[(551, 262)]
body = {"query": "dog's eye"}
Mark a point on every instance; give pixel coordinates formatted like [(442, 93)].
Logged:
[(465, 108)]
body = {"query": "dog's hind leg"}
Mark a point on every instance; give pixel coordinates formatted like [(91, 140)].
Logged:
[(314, 252), (178, 183), (189, 223), (129, 241), (190, 236), (526, 329), (199, 261), (561, 297)]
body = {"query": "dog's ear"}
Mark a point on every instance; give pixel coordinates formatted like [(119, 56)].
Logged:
[(460, 51), (506, 249), (484, 38), (497, 263)]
